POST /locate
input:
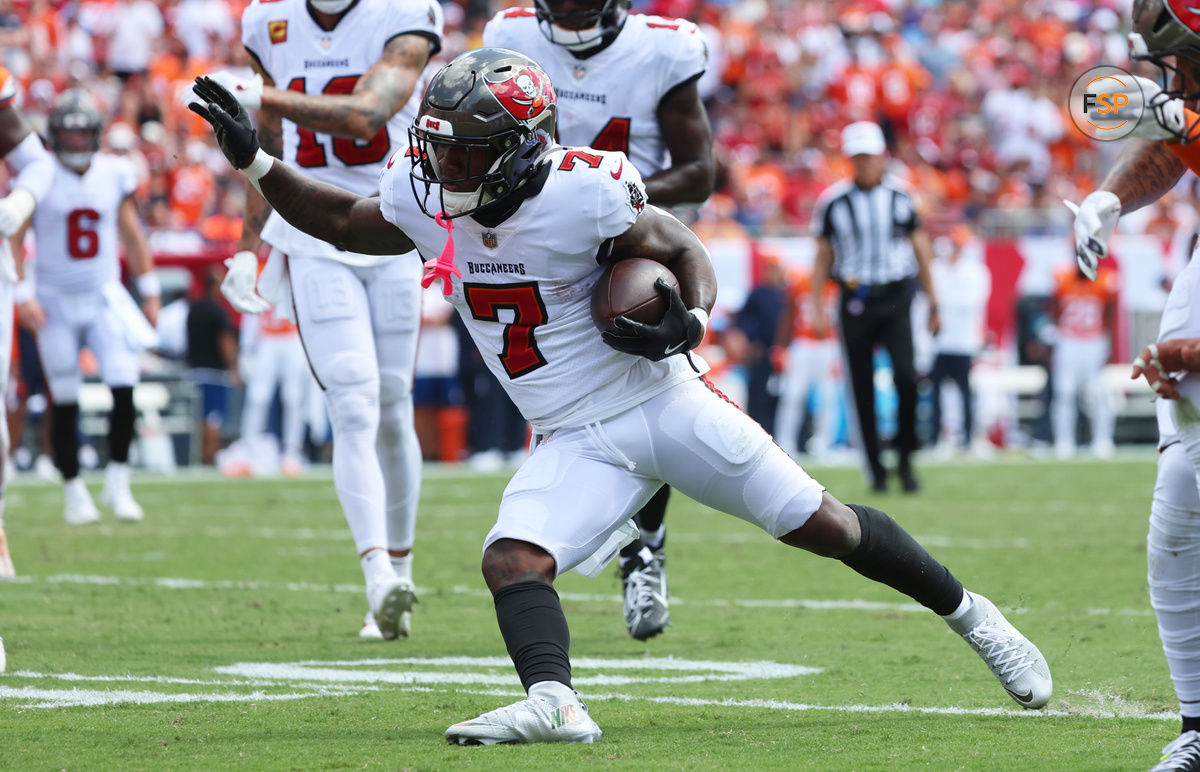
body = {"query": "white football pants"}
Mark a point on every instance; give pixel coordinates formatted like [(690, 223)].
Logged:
[(810, 364), (359, 328), (1173, 571), (580, 485), (1077, 367), (278, 362), (74, 320)]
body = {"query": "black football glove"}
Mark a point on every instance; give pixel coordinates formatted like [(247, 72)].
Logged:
[(235, 134), (677, 333)]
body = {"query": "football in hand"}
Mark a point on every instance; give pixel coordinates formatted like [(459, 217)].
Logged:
[(627, 288)]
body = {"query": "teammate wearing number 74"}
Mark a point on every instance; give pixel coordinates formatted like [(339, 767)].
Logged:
[(519, 229)]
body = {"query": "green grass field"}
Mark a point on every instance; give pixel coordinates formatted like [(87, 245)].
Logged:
[(222, 633)]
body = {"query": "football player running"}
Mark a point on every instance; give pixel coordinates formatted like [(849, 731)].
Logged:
[(76, 297), (592, 50), (533, 224), (1166, 33), (336, 87), (32, 168)]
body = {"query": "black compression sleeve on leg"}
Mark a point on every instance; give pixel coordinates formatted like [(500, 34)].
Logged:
[(535, 632), (64, 438), (888, 554), (120, 424)]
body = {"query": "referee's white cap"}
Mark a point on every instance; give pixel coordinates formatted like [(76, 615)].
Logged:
[(863, 138)]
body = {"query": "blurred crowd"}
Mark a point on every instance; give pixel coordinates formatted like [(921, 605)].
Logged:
[(972, 95)]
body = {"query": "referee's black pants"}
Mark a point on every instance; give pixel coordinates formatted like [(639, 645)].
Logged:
[(882, 318)]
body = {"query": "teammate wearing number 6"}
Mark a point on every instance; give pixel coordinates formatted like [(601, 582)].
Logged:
[(75, 297), (519, 229), (336, 87)]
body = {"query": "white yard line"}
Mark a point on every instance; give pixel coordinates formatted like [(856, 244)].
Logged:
[(813, 604)]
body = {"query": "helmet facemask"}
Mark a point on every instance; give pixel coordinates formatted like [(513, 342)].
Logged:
[(75, 127), (1161, 39), (485, 122), (581, 30)]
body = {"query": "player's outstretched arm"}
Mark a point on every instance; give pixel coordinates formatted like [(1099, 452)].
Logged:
[(333, 215), (32, 166), (683, 122), (379, 94)]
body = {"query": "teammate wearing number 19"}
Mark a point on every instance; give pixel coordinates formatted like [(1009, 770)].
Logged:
[(342, 83), (593, 50), (616, 415)]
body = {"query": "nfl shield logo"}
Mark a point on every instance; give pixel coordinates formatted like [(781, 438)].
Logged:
[(489, 240), (579, 71), (326, 42)]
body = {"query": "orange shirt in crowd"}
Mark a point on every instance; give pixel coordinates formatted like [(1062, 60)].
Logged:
[(192, 189), (1082, 303), (801, 296), (219, 227)]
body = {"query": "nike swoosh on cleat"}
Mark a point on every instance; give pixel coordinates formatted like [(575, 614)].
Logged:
[(617, 174), (1024, 699)]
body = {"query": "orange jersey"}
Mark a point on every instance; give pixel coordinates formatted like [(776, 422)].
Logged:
[(802, 321), (1081, 303), (270, 325), (8, 89)]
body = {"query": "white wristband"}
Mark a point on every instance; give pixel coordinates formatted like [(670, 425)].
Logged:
[(702, 315), (23, 292), (261, 164), (149, 286)]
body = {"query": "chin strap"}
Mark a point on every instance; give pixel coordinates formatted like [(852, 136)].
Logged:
[(443, 268)]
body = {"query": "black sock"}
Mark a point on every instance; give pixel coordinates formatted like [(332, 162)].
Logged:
[(120, 424), (1190, 723), (650, 517), (888, 554), (535, 632), (64, 438)]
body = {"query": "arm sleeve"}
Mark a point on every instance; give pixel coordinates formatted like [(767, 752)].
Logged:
[(128, 178), (822, 222), (620, 195), (690, 58), (34, 166), (387, 184), (417, 18), (254, 36)]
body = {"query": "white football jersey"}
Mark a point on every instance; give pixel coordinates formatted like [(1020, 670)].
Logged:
[(526, 287), (75, 225), (298, 55), (598, 103), (1180, 319)]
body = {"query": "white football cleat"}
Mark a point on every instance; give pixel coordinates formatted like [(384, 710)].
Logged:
[(532, 720), (369, 628), (116, 494), (3, 660), (1181, 754), (79, 508), (391, 602), (1014, 660)]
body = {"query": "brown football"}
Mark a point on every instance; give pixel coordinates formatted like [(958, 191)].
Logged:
[(626, 288)]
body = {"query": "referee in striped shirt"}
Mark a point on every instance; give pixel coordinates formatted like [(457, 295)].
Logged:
[(870, 241)]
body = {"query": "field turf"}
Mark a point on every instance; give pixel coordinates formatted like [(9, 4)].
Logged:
[(221, 633)]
